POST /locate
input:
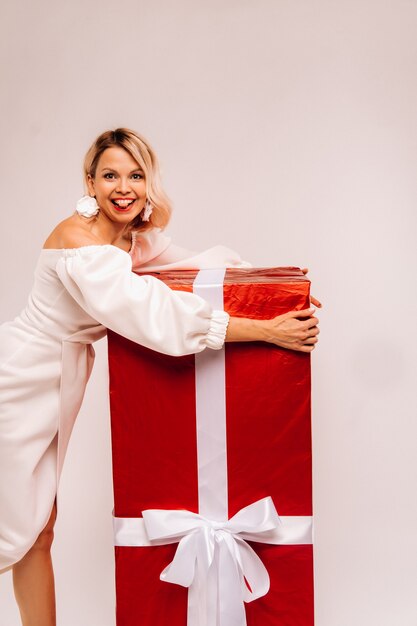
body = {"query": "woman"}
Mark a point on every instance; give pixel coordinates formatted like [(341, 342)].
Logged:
[(83, 285)]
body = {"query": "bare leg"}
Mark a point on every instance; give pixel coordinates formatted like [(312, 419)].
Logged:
[(33, 581)]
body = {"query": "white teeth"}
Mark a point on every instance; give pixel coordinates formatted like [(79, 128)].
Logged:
[(123, 203)]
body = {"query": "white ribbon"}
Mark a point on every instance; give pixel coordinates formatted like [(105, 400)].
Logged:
[(210, 401), (213, 558)]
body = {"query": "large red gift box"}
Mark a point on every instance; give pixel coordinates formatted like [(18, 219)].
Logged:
[(268, 451)]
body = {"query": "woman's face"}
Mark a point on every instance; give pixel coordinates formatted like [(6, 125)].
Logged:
[(118, 185)]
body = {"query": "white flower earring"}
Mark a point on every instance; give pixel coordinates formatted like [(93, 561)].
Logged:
[(87, 206), (146, 211)]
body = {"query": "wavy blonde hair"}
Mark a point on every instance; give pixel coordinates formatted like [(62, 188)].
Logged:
[(140, 150)]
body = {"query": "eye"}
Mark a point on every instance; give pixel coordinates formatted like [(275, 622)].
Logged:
[(109, 175), (137, 176)]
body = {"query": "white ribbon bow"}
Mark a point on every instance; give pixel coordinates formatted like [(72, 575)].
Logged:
[(213, 559)]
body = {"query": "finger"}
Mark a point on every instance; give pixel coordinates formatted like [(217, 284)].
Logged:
[(302, 313), (307, 348), (311, 332), (310, 323), (310, 340), (315, 301)]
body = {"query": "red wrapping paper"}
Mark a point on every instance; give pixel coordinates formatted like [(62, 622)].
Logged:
[(153, 422)]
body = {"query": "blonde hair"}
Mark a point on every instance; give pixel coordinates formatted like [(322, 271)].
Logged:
[(140, 150)]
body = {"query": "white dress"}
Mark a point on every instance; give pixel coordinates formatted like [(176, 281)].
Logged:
[(46, 358)]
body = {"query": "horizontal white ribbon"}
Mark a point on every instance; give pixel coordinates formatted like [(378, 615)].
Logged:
[(293, 530)]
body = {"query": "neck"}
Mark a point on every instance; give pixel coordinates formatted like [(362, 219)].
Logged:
[(109, 231)]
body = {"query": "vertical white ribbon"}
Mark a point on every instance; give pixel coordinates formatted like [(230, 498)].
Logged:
[(211, 410)]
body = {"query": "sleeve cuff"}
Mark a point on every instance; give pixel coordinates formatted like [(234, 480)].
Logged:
[(217, 331)]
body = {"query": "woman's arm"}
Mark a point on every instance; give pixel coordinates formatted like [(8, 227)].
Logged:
[(286, 331), (109, 290)]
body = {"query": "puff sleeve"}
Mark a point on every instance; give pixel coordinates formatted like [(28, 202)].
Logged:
[(141, 308)]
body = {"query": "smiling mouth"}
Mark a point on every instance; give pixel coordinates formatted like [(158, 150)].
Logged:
[(123, 205)]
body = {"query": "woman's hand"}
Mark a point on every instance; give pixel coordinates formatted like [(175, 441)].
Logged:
[(291, 332)]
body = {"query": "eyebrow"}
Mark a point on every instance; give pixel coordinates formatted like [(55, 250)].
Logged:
[(109, 169)]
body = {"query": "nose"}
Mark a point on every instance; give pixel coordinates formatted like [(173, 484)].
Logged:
[(123, 185)]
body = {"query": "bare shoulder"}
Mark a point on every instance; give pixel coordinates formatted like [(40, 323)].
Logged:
[(71, 233)]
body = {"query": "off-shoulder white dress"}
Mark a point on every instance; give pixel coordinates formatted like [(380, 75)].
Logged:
[(46, 356)]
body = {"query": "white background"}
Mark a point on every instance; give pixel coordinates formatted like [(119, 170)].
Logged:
[(287, 130)]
